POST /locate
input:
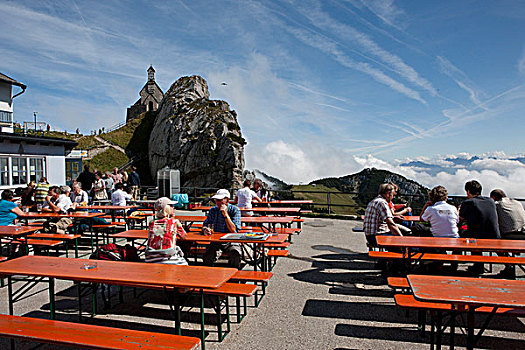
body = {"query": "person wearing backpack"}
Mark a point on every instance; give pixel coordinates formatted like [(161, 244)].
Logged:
[(162, 235)]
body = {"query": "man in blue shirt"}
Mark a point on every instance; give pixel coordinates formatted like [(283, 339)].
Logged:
[(224, 218)]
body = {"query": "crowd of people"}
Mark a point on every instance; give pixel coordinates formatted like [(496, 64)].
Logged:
[(493, 217)]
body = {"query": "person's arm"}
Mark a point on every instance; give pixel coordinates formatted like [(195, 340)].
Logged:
[(205, 230), (393, 227), (18, 213), (256, 198), (236, 200), (427, 204), (52, 207), (229, 222)]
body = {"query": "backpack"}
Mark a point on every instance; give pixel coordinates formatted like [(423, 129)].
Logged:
[(116, 252), (181, 198)]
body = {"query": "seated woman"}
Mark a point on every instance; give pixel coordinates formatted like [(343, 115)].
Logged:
[(162, 236), (9, 211)]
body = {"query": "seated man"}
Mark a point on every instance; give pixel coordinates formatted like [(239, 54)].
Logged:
[(379, 219), (511, 221), (480, 215), (442, 216), (225, 218), (78, 196), (56, 201), (119, 197)]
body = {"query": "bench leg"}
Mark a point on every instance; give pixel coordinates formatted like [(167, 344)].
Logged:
[(52, 298), (203, 331)]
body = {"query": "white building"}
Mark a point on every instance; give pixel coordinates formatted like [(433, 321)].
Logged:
[(25, 158), (6, 101)]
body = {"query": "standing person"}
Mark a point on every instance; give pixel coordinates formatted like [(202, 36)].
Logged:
[(259, 190), (116, 176), (134, 183), (41, 191), (109, 183), (78, 196), (99, 188), (162, 235), (481, 217), (225, 218), (124, 176), (245, 196), (27, 197), (379, 219), (511, 222), (9, 211), (86, 178)]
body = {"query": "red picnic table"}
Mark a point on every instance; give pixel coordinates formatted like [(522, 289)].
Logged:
[(466, 294)]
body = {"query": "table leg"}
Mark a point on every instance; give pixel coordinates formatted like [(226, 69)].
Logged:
[(452, 329), (52, 298), (470, 328), (203, 331), (10, 294)]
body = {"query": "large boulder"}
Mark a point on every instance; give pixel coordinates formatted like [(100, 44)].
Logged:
[(198, 136)]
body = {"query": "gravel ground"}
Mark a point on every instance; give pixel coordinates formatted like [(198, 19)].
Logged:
[(325, 295)]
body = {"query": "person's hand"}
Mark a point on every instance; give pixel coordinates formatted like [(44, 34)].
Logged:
[(408, 209), (224, 209), (206, 231)]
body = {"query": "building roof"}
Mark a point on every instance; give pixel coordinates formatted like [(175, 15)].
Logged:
[(43, 140), (11, 81)]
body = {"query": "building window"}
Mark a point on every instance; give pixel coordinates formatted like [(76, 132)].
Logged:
[(6, 117), (19, 170), (36, 169), (4, 171)]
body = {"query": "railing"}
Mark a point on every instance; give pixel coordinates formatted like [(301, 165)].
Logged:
[(330, 205), (115, 127)]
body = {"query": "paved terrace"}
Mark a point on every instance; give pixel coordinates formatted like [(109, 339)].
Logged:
[(326, 295)]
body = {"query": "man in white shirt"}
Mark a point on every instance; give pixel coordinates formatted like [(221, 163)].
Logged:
[(442, 216), (119, 197), (244, 198), (56, 201), (78, 196)]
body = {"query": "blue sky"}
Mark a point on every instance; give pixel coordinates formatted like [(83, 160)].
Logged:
[(321, 88)]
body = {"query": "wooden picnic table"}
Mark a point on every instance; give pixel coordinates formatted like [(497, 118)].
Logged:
[(287, 201), (467, 294), (255, 254), (413, 218), (175, 277), (268, 210), (15, 231), (113, 272), (455, 244), (73, 215)]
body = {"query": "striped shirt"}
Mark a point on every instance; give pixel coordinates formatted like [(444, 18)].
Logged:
[(41, 192)]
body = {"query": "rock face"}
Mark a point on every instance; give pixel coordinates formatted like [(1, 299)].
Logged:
[(198, 136)]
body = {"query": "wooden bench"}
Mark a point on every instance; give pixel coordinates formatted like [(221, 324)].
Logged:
[(408, 302), (40, 243), (257, 277), (58, 236), (229, 289), (278, 245), (90, 336), (487, 259), (272, 256)]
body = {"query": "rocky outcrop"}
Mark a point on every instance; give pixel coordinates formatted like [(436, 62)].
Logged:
[(198, 136), (366, 183)]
